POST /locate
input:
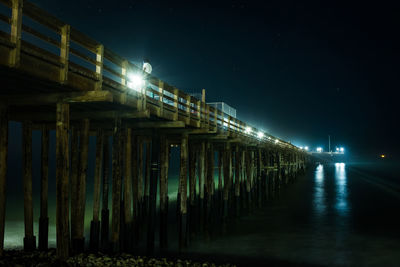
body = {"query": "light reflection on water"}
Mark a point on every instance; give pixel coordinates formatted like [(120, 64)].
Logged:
[(319, 191), (341, 205)]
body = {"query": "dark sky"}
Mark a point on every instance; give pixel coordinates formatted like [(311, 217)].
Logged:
[(298, 70)]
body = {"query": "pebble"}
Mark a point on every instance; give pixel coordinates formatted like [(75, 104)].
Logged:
[(37, 258)]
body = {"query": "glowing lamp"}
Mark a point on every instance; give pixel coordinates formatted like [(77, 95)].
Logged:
[(319, 149), (247, 130), (135, 81), (306, 148), (276, 141), (260, 135), (341, 149)]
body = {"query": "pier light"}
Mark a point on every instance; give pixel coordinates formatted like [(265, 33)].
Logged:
[(301, 148), (319, 149), (337, 149), (248, 130), (136, 82), (341, 149), (260, 135), (306, 148)]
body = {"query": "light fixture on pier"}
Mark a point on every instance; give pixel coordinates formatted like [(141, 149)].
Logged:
[(337, 149), (136, 81), (319, 149), (301, 148), (260, 135), (341, 149), (247, 130), (306, 148), (276, 141)]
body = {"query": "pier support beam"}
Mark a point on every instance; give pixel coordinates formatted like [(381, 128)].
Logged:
[(95, 223), (78, 239), (128, 190), (62, 178), (3, 171), (29, 239), (183, 192), (44, 219), (105, 213), (154, 176), (164, 164), (116, 187)]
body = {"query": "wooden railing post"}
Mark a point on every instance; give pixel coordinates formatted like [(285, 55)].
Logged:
[(188, 108), (64, 52), (99, 66), (124, 73), (176, 103), (16, 24), (199, 110), (161, 96)]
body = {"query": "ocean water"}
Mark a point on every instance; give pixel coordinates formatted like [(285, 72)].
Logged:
[(336, 215)]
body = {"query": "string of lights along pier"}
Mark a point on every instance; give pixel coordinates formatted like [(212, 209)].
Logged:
[(73, 85)]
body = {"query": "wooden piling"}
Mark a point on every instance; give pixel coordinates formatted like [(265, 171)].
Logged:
[(74, 179), (128, 189), (201, 175), (95, 223), (62, 177), (135, 197), (78, 241), (140, 187), (147, 177), (116, 187), (164, 163), (105, 213), (44, 219), (29, 239), (3, 171), (237, 180), (192, 191), (209, 190), (183, 191), (154, 176)]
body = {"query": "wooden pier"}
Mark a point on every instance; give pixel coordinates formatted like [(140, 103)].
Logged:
[(55, 78)]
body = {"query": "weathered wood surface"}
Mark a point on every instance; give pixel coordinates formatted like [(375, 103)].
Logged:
[(3, 171), (44, 185), (62, 178), (116, 187), (29, 239)]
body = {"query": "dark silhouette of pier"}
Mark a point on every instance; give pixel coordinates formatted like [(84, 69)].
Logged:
[(74, 85)]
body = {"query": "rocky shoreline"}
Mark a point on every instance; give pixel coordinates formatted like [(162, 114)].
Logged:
[(19, 258)]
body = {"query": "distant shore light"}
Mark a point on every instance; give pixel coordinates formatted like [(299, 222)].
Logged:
[(383, 156)]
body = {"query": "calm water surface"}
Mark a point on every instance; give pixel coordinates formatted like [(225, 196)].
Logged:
[(337, 214)]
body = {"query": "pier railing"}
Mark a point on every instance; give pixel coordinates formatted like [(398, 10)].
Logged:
[(38, 43)]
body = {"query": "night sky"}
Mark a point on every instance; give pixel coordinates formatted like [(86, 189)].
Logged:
[(299, 71)]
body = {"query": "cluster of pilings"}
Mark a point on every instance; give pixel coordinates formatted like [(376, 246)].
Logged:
[(248, 175)]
